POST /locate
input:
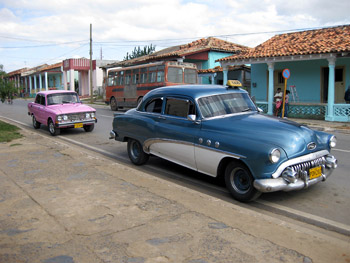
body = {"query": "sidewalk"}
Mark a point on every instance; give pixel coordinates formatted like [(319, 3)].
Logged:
[(327, 126), (62, 204)]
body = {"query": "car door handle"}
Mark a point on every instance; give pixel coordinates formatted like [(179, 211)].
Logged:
[(161, 117)]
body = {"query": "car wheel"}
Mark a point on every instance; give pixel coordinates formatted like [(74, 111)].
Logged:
[(136, 154), (52, 129), (36, 124), (89, 128), (239, 181), (113, 104)]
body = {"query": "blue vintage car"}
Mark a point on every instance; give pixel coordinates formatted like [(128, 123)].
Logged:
[(218, 131)]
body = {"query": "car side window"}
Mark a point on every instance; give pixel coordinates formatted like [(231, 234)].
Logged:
[(154, 106), (42, 100), (179, 107), (37, 99)]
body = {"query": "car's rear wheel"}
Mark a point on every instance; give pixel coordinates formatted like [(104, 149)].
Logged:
[(239, 181), (114, 104), (52, 129), (89, 128), (36, 124), (136, 154)]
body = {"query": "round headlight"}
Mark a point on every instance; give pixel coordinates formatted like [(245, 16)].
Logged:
[(333, 142), (59, 118), (92, 114), (274, 155), (65, 117), (87, 115)]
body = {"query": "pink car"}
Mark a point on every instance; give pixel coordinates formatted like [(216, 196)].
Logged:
[(61, 109)]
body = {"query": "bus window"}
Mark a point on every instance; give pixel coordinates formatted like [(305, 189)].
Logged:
[(128, 77), (110, 81), (160, 73), (190, 76), (143, 75), (175, 75), (152, 73), (120, 78), (135, 76)]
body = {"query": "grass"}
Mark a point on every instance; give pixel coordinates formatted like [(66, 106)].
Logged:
[(9, 132)]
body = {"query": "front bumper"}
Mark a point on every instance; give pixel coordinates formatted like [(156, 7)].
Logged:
[(71, 124), (296, 177)]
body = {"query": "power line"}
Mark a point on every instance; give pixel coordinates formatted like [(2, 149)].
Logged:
[(47, 45)]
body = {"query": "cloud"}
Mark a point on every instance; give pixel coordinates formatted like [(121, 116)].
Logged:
[(121, 22)]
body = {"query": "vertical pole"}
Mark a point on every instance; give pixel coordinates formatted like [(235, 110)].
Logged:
[(284, 96), (91, 88)]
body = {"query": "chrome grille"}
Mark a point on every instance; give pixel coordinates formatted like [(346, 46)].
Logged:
[(305, 166), (76, 117)]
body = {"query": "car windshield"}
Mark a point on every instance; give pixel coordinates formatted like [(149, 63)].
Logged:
[(62, 98), (223, 104)]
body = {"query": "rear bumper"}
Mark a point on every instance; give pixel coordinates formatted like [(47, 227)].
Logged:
[(288, 182)]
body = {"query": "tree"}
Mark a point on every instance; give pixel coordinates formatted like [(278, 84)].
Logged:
[(138, 52), (7, 88)]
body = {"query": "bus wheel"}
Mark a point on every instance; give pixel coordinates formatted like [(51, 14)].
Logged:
[(114, 105)]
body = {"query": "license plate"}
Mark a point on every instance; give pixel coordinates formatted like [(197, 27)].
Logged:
[(315, 172), (78, 125)]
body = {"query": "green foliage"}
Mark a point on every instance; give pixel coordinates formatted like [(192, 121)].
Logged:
[(138, 52), (7, 88), (8, 132)]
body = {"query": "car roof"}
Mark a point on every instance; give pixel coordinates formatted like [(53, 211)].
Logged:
[(194, 91), (55, 92)]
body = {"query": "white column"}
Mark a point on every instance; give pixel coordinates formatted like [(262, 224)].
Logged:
[(30, 84), (35, 87), (46, 82), (270, 89), (40, 82), (64, 77), (224, 75), (71, 79), (331, 89)]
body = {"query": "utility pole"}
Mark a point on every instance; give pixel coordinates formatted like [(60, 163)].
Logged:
[(91, 88)]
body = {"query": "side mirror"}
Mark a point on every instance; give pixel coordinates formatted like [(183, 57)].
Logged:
[(193, 118), (260, 110)]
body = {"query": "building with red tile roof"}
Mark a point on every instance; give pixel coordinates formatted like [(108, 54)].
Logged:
[(203, 52), (319, 62)]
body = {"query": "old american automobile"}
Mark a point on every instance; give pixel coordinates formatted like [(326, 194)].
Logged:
[(59, 109), (218, 131)]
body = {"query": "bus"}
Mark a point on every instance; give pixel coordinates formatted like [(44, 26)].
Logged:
[(126, 86)]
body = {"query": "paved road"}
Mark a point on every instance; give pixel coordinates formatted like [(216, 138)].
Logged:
[(326, 204)]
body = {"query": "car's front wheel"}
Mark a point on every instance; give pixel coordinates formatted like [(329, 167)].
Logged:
[(89, 128), (36, 124), (52, 129), (136, 154), (239, 181)]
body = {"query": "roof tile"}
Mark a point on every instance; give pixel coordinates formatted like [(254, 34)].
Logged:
[(320, 41)]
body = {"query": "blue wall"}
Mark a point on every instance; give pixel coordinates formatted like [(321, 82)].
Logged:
[(305, 75), (210, 63)]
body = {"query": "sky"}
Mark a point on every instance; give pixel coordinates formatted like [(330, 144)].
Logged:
[(36, 32)]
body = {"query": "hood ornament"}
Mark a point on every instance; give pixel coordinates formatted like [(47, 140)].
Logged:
[(311, 146)]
